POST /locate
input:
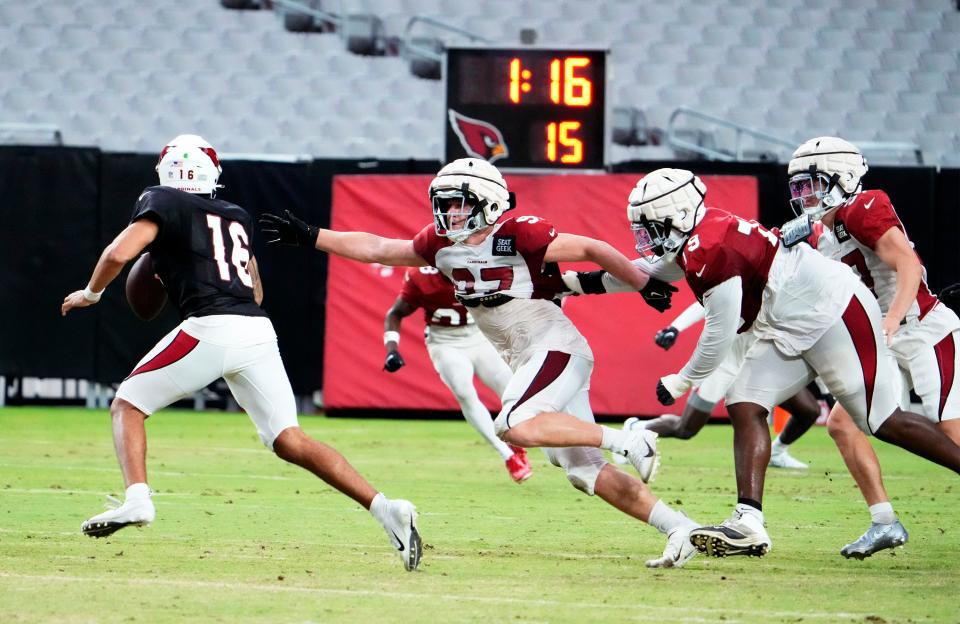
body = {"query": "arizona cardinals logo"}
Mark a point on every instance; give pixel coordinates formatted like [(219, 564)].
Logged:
[(479, 139)]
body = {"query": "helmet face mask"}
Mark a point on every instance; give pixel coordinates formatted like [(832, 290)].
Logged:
[(468, 195), (814, 193), (457, 213), (190, 164)]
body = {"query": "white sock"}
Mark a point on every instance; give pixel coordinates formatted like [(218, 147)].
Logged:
[(664, 519), (778, 447), (882, 513), (378, 507), (138, 491), (750, 511), (614, 440)]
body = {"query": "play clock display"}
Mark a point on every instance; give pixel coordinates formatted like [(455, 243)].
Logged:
[(527, 108)]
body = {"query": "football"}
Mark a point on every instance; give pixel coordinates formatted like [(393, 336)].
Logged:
[(145, 292)]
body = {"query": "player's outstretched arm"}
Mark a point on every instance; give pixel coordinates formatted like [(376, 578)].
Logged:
[(124, 248), (895, 251), (391, 333), (361, 246), (574, 248)]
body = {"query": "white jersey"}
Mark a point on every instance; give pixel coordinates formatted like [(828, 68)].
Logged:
[(508, 287), (805, 295)]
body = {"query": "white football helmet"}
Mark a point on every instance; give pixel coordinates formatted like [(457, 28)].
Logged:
[(663, 209), (190, 164), (468, 195), (824, 172)]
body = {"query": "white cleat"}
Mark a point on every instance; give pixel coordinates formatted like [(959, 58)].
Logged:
[(785, 460), (628, 425), (679, 550), (741, 534), (642, 452), (137, 512), (400, 525)]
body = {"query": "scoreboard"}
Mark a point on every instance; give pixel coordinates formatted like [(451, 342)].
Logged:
[(527, 108)]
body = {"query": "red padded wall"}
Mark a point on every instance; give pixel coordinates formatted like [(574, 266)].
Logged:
[(619, 327)]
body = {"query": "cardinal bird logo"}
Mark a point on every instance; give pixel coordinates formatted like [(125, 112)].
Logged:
[(479, 138)]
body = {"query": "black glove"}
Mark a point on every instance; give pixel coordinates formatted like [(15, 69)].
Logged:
[(591, 282), (657, 294), (394, 362), (663, 395), (288, 230), (951, 296), (666, 337)]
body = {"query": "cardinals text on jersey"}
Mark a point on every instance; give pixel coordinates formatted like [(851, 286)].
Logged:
[(508, 287)]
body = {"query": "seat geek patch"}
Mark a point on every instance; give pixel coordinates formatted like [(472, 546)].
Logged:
[(504, 245), (841, 231)]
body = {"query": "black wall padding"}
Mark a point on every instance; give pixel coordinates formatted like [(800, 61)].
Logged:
[(48, 243), (61, 206)]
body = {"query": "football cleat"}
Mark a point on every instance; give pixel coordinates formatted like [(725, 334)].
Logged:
[(679, 550), (878, 537), (400, 525), (137, 512), (628, 425), (641, 451), (518, 464), (741, 534), (785, 460)]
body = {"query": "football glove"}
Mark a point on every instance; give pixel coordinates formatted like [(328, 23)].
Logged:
[(394, 362), (288, 230), (951, 296), (666, 337), (671, 388), (657, 294)]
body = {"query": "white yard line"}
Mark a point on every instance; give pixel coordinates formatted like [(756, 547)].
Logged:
[(659, 613), (166, 473)]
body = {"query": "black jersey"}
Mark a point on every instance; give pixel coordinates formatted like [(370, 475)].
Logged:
[(200, 252)]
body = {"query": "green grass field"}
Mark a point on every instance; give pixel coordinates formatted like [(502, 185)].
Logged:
[(241, 536)]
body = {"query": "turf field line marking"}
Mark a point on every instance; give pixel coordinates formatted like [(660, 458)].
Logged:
[(165, 473), (65, 491), (108, 580)]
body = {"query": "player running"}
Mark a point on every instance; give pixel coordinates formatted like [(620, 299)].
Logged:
[(458, 350), (498, 268), (803, 407), (810, 315), (861, 228), (200, 246)]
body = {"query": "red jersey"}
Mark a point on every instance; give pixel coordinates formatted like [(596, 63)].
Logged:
[(857, 226), (724, 246), (508, 263), (427, 288)]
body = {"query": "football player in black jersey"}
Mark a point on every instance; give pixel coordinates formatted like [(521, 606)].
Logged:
[(200, 247)]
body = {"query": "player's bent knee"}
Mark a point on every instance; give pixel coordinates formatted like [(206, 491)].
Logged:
[(582, 465), (120, 407), (288, 443)]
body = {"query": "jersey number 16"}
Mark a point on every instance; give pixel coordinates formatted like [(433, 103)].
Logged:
[(240, 255)]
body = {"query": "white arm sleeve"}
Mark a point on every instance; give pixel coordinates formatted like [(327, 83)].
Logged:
[(661, 270), (693, 314), (722, 312)]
